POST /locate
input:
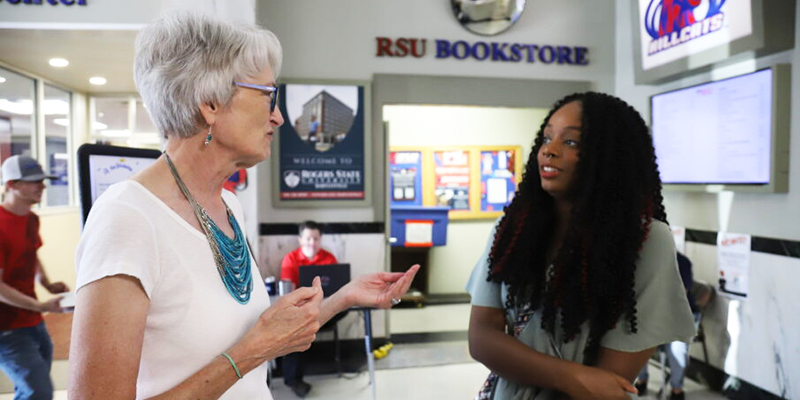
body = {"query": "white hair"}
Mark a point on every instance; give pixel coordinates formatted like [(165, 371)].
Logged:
[(187, 59)]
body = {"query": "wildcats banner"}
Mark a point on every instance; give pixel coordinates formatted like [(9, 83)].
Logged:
[(322, 142), (674, 29)]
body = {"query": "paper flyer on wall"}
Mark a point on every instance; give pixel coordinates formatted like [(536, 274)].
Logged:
[(679, 236), (733, 261)]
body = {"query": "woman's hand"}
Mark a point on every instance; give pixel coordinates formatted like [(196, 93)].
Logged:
[(289, 325), (57, 287), (52, 305), (378, 289), (599, 384)]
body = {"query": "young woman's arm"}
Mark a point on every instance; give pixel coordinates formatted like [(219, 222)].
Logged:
[(624, 364), (511, 359)]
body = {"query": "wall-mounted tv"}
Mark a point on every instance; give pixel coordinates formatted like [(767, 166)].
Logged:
[(730, 134)]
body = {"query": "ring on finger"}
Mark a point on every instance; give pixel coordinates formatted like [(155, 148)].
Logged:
[(396, 302)]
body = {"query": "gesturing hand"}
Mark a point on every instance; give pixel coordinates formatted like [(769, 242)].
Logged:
[(57, 287), (52, 305), (291, 324), (600, 384), (378, 289)]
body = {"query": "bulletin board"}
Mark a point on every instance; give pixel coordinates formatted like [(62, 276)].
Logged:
[(405, 178), (475, 182)]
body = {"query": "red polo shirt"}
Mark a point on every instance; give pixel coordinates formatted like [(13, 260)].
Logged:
[(290, 267), (19, 241)]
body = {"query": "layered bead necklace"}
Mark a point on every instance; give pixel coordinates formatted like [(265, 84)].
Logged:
[(232, 256)]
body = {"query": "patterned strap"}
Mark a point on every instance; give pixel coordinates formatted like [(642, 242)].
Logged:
[(523, 316)]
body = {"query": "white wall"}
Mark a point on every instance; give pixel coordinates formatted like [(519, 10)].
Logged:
[(336, 39), (768, 354), (420, 125)]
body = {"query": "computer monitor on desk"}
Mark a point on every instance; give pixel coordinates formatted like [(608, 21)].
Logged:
[(333, 276)]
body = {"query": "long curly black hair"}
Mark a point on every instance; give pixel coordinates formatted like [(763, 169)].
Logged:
[(615, 196)]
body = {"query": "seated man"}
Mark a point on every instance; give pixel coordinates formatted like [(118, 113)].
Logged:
[(310, 252)]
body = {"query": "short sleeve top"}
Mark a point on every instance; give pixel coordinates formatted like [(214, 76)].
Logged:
[(662, 311), (192, 318)]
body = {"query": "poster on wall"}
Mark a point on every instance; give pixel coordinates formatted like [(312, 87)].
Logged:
[(733, 260), (451, 169), (405, 175), (679, 236), (498, 179), (321, 152), (673, 29)]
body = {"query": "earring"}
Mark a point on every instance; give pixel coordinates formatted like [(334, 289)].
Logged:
[(208, 137)]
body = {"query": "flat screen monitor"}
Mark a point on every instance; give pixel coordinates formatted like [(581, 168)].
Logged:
[(716, 133), (100, 166)]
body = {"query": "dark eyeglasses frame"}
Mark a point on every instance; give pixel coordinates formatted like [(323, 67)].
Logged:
[(272, 90)]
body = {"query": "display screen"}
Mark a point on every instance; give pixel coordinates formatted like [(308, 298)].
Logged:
[(106, 170), (715, 133)]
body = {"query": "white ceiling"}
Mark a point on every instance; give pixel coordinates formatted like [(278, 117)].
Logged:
[(90, 53)]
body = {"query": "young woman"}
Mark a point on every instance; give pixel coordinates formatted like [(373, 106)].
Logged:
[(579, 281)]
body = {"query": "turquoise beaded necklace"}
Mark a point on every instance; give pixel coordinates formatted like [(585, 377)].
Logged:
[(232, 256)]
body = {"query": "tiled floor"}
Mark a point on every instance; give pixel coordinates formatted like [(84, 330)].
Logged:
[(454, 381)]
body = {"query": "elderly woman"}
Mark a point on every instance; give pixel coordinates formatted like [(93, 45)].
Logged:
[(169, 301)]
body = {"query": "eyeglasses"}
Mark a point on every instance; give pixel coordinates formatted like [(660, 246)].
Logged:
[(271, 90)]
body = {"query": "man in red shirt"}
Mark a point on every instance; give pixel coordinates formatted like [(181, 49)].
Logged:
[(26, 350), (310, 252)]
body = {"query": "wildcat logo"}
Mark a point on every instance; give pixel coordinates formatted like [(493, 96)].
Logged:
[(671, 23)]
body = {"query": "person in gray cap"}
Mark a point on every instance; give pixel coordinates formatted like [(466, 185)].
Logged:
[(26, 350)]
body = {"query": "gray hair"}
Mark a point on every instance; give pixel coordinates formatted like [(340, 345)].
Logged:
[(186, 59)]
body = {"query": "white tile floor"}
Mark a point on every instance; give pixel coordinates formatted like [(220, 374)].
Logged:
[(455, 381), (429, 383)]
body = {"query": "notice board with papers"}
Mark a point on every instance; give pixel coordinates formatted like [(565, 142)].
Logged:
[(474, 182)]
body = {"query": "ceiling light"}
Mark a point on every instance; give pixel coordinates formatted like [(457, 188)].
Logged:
[(97, 80), (59, 62), (2, 79)]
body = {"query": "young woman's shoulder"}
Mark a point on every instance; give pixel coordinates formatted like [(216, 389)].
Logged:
[(659, 233), (658, 251)]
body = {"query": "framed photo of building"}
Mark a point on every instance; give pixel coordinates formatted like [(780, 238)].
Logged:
[(321, 158)]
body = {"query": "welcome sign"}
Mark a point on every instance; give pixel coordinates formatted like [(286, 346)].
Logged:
[(674, 29)]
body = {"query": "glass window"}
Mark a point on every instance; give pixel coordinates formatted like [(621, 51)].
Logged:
[(110, 120), (145, 134), (17, 122), (56, 111), (123, 122)]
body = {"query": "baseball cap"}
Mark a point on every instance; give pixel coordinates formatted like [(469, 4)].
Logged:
[(23, 168)]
